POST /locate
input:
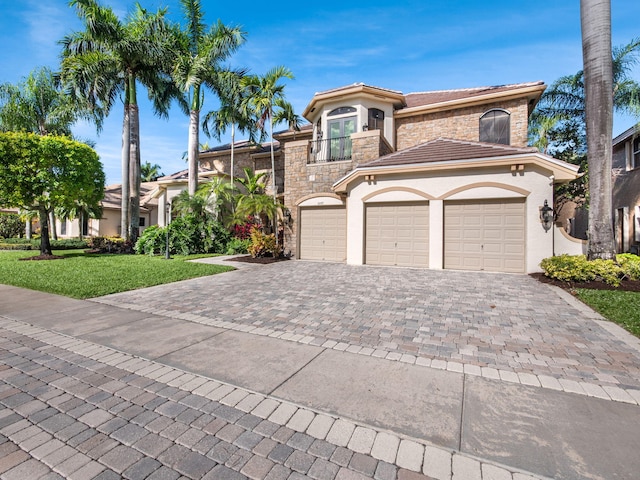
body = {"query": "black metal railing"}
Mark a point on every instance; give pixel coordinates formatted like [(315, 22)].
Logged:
[(330, 150)]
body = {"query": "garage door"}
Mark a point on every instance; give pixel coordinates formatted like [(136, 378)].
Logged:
[(397, 234), (323, 234), (485, 235)]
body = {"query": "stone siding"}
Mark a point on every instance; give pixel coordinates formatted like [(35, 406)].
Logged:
[(460, 124)]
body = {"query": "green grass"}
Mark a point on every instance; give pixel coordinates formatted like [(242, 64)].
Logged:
[(620, 307), (81, 275)]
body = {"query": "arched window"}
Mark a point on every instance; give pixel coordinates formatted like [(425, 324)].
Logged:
[(376, 119), (341, 111), (494, 127)]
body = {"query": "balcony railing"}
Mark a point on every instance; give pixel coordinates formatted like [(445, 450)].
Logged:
[(330, 150)]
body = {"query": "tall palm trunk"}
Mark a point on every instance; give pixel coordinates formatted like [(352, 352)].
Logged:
[(194, 139), (53, 233), (233, 141), (595, 17), (126, 155), (134, 173), (273, 176)]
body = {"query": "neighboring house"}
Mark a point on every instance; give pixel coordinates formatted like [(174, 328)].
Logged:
[(432, 179), (626, 190), (108, 225)]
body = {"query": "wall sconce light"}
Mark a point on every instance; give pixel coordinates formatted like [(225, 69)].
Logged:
[(365, 127), (288, 220), (546, 216)]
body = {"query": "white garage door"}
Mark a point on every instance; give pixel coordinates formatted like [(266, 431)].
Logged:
[(323, 234), (397, 234), (485, 235)]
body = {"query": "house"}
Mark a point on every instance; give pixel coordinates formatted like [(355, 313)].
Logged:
[(436, 180), (626, 190), (108, 225)]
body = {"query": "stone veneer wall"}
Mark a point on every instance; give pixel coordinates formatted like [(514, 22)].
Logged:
[(460, 124), (245, 158), (303, 179)]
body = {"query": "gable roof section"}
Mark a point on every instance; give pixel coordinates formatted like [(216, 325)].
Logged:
[(447, 154)]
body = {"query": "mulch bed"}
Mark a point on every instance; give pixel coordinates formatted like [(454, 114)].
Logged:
[(626, 285), (260, 260), (43, 257)]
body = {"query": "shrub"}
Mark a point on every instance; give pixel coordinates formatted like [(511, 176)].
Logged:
[(109, 245), (243, 230), (188, 235), (576, 268), (13, 241), (152, 241), (11, 225), (630, 265), (68, 244), (263, 244), (15, 246), (237, 246)]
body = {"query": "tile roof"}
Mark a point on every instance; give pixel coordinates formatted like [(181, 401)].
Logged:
[(444, 149), (360, 84), (418, 99), (113, 195)]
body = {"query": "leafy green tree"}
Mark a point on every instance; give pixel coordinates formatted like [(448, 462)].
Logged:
[(39, 173), (108, 59), (200, 52), (150, 173), (595, 19)]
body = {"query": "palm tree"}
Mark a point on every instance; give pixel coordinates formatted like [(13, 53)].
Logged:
[(234, 112), (565, 98), (198, 63), (150, 173), (253, 202), (108, 58), (37, 105), (595, 19), (266, 96)]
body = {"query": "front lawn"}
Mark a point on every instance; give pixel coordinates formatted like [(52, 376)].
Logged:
[(618, 306), (81, 275)]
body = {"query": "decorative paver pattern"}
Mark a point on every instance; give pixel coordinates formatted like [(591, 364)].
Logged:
[(508, 327), (73, 409)]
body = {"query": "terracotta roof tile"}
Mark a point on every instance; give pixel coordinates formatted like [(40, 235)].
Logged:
[(418, 99), (443, 149)]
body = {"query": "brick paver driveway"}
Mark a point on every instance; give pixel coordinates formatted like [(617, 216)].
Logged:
[(490, 323)]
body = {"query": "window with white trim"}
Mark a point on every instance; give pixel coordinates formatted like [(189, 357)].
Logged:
[(635, 153)]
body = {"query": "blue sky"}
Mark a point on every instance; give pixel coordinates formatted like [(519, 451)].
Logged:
[(406, 45)]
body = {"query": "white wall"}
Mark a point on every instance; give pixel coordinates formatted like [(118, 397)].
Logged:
[(533, 184)]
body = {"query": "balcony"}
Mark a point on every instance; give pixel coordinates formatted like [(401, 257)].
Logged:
[(330, 150)]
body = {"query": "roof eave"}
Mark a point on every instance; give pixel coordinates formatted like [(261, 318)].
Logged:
[(396, 97), (534, 91), (562, 172)]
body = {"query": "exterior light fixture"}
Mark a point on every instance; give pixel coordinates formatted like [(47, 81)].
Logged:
[(167, 221), (546, 216), (365, 127), (288, 220)]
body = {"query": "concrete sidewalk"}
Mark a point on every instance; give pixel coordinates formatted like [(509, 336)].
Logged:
[(392, 417)]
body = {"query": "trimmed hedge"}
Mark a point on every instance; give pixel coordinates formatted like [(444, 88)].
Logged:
[(15, 246), (576, 268)]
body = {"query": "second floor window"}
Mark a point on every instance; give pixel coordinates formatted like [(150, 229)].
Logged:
[(635, 153), (376, 120), (494, 127)]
